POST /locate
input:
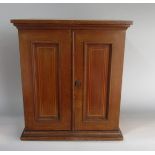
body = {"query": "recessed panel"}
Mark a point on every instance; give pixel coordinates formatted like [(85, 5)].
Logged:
[(96, 72), (46, 83)]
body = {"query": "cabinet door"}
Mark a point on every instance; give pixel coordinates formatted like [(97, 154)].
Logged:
[(98, 58), (46, 77)]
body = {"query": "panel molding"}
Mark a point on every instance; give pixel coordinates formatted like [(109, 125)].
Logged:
[(89, 49), (52, 50)]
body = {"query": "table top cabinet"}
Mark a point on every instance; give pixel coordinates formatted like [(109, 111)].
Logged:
[(71, 78)]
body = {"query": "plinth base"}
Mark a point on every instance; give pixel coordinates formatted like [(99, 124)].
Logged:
[(72, 135)]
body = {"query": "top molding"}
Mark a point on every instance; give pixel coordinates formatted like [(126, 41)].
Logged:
[(70, 24)]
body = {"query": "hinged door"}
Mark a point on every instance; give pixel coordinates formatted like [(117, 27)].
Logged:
[(98, 58), (46, 76)]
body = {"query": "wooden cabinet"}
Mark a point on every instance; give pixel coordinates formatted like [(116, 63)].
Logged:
[(71, 78)]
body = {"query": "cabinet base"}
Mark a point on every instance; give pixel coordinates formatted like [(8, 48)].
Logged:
[(71, 135)]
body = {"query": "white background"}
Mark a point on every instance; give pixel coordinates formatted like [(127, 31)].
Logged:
[(138, 88)]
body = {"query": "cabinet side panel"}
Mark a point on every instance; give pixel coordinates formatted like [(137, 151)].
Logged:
[(46, 83)]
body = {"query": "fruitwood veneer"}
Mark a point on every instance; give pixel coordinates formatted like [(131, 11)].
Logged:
[(71, 78)]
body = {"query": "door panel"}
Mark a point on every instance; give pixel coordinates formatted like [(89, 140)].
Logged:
[(96, 71), (46, 80), (46, 73), (98, 55)]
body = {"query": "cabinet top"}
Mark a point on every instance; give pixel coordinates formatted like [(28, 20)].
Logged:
[(49, 24)]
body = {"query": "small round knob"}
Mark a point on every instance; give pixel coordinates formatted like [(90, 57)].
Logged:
[(77, 83)]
